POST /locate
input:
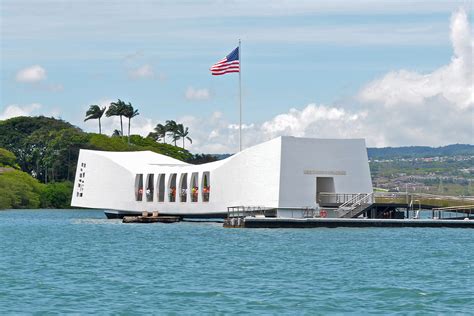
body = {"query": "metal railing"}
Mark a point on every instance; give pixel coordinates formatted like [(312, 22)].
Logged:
[(423, 195), (334, 198), (310, 213), (423, 198), (453, 211), (243, 211), (337, 199), (353, 206), (236, 214)]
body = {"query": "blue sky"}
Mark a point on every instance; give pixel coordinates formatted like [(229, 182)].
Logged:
[(156, 54)]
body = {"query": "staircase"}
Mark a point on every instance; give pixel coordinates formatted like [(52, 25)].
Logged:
[(355, 206)]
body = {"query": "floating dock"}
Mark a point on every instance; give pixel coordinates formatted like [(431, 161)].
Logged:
[(145, 218), (253, 222)]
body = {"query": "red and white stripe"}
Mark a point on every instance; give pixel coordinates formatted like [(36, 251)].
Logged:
[(223, 67)]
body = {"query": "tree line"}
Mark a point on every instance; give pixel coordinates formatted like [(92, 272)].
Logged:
[(170, 129), (19, 189)]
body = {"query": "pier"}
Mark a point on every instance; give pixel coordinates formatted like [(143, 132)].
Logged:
[(351, 222), (360, 210)]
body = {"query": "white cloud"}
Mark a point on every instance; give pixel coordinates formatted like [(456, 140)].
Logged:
[(433, 108), (139, 125), (143, 72), (37, 75), (454, 82), (213, 134), (31, 74), (194, 94), (401, 108), (14, 110), (320, 121)]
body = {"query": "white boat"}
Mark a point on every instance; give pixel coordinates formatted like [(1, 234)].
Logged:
[(286, 174)]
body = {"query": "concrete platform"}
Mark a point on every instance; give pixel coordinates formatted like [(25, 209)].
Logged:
[(251, 222)]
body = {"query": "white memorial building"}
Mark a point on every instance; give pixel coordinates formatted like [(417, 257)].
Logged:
[(286, 173)]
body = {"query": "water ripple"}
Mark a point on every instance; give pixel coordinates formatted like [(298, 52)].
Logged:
[(78, 262)]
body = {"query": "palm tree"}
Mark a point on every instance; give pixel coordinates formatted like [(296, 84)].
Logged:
[(171, 127), (130, 112), (152, 135), (116, 133), (160, 132), (183, 133), (95, 112), (117, 109)]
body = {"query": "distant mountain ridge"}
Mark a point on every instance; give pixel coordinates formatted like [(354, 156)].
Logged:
[(420, 151), (407, 152)]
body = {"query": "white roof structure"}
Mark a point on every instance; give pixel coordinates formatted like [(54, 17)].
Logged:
[(286, 172)]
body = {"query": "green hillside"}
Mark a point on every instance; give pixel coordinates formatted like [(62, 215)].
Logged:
[(420, 151)]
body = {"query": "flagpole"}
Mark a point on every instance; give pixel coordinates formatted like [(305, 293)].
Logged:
[(240, 98)]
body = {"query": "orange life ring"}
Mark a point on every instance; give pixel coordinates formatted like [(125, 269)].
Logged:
[(323, 213)]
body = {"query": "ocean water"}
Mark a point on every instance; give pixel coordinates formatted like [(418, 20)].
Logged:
[(76, 261)]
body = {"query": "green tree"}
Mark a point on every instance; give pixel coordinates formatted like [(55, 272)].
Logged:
[(130, 112), (26, 137), (117, 109), (63, 151), (7, 158), (172, 128), (144, 143), (44, 147), (57, 195), (95, 112), (106, 143), (159, 132), (198, 159), (53, 154), (182, 133), (19, 190)]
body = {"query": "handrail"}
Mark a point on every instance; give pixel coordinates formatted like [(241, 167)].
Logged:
[(362, 198), (332, 197), (359, 199), (242, 211), (353, 200), (344, 197), (451, 208)]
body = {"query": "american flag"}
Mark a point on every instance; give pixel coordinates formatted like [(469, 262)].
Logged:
[(231, 63)]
